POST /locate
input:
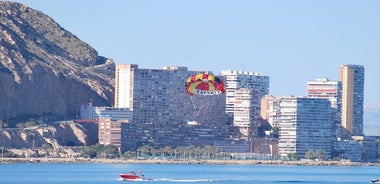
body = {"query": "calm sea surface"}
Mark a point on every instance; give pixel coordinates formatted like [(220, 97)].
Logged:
[(42, 173)]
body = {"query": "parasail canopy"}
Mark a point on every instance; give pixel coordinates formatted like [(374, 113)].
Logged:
[(204, 84)]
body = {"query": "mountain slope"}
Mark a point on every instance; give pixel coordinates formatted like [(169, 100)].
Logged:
[(46, 71), (372, 119)]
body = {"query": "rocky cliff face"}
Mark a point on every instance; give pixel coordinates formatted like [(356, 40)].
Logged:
[(55, 135), (45, 70)]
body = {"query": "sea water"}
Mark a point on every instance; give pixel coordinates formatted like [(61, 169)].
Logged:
[(86, 173)]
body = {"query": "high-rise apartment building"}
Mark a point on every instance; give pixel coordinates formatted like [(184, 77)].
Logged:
[(244, 106), (163, 113), (124, 75), (305, 125), (159, 95), (258, 83), (331, 90), (352, 78)]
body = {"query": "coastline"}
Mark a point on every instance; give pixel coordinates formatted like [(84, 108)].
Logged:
[(166, 161)]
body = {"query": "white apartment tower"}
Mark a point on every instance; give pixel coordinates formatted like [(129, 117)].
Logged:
[(124, 82), (259, 84), (243, 107), (305, 125)]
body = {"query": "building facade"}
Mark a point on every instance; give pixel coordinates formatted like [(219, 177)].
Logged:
[(159, 96), (110, 132), (89, 112), (352, 78), (232, 146), (257, 82), (112, 113), (244, 91), (124, 74), (270, 109), (244, 108), (163, 113), (86, 111), (305, 125), (348, 150), (327, 89)]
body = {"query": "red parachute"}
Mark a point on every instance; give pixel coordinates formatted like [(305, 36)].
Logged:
[(200, 85), (204, 84)]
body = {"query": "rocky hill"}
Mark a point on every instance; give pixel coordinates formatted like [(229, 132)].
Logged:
[(46, 71), (55, 136)]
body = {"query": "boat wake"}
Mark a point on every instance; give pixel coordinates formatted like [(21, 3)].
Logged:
[(171, 180), (136, 180), (184, 180)]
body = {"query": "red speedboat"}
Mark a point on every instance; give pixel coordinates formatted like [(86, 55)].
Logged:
[(133, 176)]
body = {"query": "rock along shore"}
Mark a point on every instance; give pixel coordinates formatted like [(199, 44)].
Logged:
[(166, 161)]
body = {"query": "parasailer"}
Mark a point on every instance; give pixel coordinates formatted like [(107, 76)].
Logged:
[(204, 84)]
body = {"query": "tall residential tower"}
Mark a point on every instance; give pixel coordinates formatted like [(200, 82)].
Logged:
[(352, 78), (124, 85)]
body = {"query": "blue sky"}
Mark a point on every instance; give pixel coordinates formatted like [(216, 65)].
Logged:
[(292, 41)]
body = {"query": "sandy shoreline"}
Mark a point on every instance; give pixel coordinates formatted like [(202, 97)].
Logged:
[(164, 161)]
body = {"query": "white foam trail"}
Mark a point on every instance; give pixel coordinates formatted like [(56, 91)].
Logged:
[(183, 181)]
